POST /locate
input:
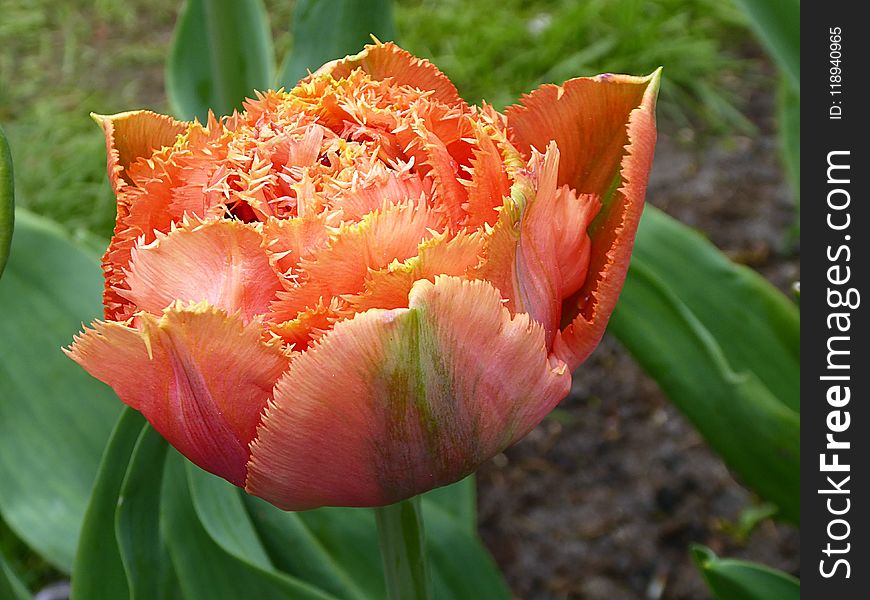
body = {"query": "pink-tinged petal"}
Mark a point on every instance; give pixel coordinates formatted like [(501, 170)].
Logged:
[(134, 135), (382, 61), (219, 262), (200, 377), (388, 187), (393, 403), (539, 246), (355, 249), (613, 231), (290, 240)]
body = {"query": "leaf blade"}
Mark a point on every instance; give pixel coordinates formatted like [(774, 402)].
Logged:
[(7, 201), (730, 579), (326, 30), (674, 329), (98, 571), (54, 418), (221, 52)]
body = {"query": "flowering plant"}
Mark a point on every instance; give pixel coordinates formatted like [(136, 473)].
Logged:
[(363, 288)]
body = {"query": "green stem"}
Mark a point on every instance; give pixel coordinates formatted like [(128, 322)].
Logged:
[(403, 550)]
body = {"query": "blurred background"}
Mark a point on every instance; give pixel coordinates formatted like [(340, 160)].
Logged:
[(602, 500)]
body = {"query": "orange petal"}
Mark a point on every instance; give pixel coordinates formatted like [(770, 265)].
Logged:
[(309, 324), (587, 119), (440, 255), (539, 247), (489, 182), (355, 249), (200, 377), (382, 61), (220, 262), (420, 396), (623, 108), (134, 135), (290, 240), (389, 187)]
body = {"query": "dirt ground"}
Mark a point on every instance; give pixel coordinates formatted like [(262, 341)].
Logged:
[(602, 503)]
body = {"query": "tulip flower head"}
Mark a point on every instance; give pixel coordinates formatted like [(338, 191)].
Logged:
[(363, 288)]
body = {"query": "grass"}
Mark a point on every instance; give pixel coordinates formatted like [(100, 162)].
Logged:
[(498, 49)]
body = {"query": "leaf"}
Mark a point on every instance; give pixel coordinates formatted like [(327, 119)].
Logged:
[(11, 586), (205, 569), (324, 30), (454, 553), (295, 549), (137, 522), (7, 200), (778, 24), (221, 52), (343, 543), (724, 345), (222, 514), (730, 579), (54, 418), (458, 500), (98, 571), (788, 121)]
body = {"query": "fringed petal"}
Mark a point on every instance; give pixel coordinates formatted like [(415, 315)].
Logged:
[(395, 402)]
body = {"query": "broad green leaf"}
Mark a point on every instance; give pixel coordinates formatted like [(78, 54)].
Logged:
[(458, 500), (343, 543), (324, 30), (724, 345), (294, 548), (11, 587), (222, 513), (221, 52), (98, 571), (54, 417), (778, 24), (7, 200), (454, 553), (204, 569), (756, 326), (137, 522), (788, 121), (730, 579)]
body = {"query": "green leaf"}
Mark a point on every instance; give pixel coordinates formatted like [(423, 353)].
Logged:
[(324, 30), (458, 500), (11, 587), (789, 123), (54, 417), (222, 513), (137, 522), (454, 553), (98, 571), (204, 569), (295, 549), (730, 579), (7, 200), (221, 52), (778, 24), (342, 543), (724, 345)]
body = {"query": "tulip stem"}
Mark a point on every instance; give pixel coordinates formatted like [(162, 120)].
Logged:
[(403, 551)]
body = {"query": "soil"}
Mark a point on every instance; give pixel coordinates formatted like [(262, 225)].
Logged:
[(602, 502)]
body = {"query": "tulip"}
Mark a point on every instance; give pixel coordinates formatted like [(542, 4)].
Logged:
[(363, 288)]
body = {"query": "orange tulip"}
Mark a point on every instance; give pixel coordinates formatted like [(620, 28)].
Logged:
[(363, 288)]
